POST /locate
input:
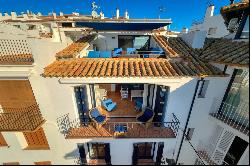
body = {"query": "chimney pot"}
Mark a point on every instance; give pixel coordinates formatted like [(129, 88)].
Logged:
[(117, 13), (13, 15), (54, 15), (209, 11)]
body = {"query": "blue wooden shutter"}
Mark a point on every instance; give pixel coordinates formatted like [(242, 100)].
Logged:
[(82, 103)]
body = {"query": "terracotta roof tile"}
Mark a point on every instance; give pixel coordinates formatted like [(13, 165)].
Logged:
[(18, 59), (218, 50), (165, 46), (225, 51), (73, 49), (128, 67)]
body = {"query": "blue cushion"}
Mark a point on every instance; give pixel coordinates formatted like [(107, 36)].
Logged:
[(131, 50), (111, 106), (100, 119), (156, 50), (120, 128), (94, 54), (117, 51), (95, 113), (105, 54), (146, 115)]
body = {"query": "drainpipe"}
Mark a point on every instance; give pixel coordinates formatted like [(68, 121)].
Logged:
[(188, 118)]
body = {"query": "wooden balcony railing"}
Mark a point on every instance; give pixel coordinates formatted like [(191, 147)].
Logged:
[(21, 119)]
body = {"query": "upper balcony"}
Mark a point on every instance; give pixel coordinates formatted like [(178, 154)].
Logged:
[(25, 119), (235, 117)]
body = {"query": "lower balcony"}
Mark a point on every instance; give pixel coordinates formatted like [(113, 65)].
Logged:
[(117, 128), (25, 119)]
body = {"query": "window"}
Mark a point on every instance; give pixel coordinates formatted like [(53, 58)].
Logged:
[(67, 24), (96, 150), (245, 31), (145, 150), (36, 140), (212, 31), (189, 134), (43, 163), (203, 89)]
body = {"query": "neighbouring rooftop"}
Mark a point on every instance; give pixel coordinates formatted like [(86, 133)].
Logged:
[(217, 50), (75, 48)]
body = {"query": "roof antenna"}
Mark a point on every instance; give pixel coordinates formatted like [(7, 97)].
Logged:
[(94, 7), (162, 9)]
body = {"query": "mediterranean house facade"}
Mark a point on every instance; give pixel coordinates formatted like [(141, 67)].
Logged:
[(74, 92)]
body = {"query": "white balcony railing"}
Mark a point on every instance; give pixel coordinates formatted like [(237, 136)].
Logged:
[(205, 151), (236, 117)]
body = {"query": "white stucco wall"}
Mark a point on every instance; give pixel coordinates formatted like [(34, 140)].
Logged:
[(202, 122)]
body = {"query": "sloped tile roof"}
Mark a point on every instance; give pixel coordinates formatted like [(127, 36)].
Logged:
[(162, 41), (225, 51), (73, 49), (129, 67), (218, 50), (181, 47), (18, 59)]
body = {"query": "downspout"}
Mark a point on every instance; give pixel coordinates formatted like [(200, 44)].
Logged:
[(188, 118)]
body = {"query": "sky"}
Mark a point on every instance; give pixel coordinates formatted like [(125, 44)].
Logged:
[(182, 12)]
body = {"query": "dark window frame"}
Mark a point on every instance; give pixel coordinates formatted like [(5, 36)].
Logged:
[(97, 149), (134, 36), (201, 93)]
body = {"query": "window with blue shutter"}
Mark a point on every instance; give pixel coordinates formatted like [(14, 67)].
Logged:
[(82, 103), (160, 103)]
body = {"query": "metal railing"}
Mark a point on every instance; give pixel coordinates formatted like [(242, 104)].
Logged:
[(21, 119), (236, 117), (133, 129)]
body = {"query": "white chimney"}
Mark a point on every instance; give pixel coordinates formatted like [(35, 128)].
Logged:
[(6, 14), (195, 39), (61, 14), (102, 15), (184, 30), (25, 16), (126, 16), (54, 15), (117, 13), (209, 11), (13, 15), (39, 14)]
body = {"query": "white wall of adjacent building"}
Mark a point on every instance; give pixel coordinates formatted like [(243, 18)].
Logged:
[(212, 24), (204, 124)]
